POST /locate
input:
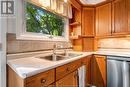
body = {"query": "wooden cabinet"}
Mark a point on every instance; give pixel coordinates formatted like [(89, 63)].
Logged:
[(87, 61), (98, 74), (70, 80), (120, 19), (128, 9), (88, 21), (66, 69), (88, 44), (103, 20), (41, 80), (62, 76)]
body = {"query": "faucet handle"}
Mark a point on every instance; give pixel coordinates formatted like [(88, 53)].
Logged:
[(55, 46)]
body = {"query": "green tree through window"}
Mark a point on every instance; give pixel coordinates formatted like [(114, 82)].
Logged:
[(39, 20)]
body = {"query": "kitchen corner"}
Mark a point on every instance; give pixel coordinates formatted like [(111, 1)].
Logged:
[(65, 43)]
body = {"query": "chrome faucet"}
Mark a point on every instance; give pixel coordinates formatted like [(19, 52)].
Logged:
[(56, 47), (54, 52)]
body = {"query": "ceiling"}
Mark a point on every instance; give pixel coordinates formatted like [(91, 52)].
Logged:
[(92, 2)]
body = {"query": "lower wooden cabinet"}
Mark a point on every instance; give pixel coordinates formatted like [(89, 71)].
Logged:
[(65, 75), (70, 80), (98, 71), (41, 80)]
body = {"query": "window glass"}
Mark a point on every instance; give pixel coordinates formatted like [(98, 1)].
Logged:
[(39, 20)]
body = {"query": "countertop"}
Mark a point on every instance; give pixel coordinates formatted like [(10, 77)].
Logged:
[(29, 66), (113, 53), (26, 67)]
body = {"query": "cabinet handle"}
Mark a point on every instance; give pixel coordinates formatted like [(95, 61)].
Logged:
[(67, 69), (82, 63), (43, 81)]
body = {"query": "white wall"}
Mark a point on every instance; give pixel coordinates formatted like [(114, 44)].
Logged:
[(3, 28)]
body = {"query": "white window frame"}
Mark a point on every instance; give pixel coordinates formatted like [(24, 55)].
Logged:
[(21, 33)]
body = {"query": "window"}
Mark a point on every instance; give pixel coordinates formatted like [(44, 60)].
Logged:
[(39, 20), (42, 24)]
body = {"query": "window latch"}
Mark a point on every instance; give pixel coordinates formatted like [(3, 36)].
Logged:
[(51, 37)]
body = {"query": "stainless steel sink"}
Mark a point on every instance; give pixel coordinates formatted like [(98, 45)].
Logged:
[(60, 56)]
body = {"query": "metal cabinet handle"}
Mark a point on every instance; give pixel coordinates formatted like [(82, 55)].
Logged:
[(43, 81), (67, 69)]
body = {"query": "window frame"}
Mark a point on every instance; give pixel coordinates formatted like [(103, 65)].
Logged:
[(22, 34)]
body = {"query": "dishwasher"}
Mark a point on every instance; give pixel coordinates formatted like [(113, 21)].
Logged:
[(118, 71)]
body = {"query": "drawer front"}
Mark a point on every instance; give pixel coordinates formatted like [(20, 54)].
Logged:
[(62, 71), (66, 69), (75, 65), (41, 80)]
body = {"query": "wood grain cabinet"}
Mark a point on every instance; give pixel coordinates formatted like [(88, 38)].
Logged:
[(120, 18), (103, 20), (62, 76), (88, 21), (70, 80), (128, 9), (98, 68)]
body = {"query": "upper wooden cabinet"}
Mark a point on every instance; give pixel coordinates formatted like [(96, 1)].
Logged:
[(103, 20), (88, 21), (128, 9), (120, 18)]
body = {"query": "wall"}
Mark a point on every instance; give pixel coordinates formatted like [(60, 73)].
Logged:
[(18, 46), (3, 29), (114, 43)]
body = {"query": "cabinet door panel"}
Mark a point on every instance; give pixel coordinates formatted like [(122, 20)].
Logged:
[(128, 9), (103, 20), (88, 21), (120, 17), (99, 71), (70, 80)]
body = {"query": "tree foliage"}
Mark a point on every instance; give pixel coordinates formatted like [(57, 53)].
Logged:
[(41, 21)]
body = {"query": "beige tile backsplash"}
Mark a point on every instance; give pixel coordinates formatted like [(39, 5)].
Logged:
[(19, 46), (114, 43)]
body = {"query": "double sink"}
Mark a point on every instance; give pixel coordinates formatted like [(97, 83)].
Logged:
[(60, 56)]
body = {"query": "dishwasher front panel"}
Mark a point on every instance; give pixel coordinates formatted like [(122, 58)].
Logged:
[(114, 73), (118, 73)]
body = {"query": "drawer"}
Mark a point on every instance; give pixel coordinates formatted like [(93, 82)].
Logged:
[(41, 80), (86, 60), (75, 65), (62, 71), (66, 69)]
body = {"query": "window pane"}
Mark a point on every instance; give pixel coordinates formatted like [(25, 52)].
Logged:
[(39, 20)]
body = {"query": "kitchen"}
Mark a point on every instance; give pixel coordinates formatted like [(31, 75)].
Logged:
[(66, 43)]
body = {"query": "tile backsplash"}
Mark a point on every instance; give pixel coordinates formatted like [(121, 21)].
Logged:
[(114, 43), (22, 46)]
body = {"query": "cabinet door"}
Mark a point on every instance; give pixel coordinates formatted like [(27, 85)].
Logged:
[(98, 72), (120, 23), (71, 80), (88, 21), (87, 61), (128, 9), (88, 44), (103, 20)]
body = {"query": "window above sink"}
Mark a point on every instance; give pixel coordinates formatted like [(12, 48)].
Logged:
[(35, 22)]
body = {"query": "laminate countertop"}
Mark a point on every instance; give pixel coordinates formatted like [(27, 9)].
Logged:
[(26, 67), (29, 66)]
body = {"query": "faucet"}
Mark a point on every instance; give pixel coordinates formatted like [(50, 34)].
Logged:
[(54, 52), (56, 47)]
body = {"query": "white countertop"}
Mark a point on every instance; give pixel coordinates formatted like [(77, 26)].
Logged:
[(113, 53), (29, 66), (26, 67)]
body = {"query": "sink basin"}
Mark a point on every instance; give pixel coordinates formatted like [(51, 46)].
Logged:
[(60, 56)]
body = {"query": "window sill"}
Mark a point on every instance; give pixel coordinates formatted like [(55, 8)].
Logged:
[(43, 38)]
